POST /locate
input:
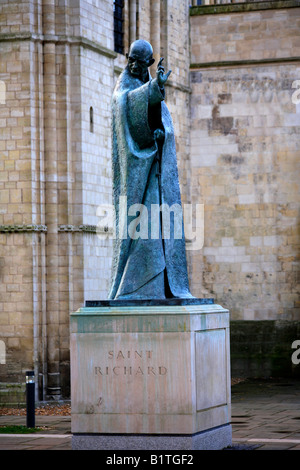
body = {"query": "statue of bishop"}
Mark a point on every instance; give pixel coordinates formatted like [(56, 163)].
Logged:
[(145, 176)]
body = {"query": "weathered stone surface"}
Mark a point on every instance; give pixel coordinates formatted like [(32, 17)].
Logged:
[(264, 348), (55, 67), (245, 161), (150, 370), (56, 64)]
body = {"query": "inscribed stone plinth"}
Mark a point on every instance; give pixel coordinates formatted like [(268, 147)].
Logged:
[(150, 370)]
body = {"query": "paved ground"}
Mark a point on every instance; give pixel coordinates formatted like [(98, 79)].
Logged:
[(265, 416)]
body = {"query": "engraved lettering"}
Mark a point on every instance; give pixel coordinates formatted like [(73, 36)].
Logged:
[(130, 354), (129, 370), (162, 370), (134, 357)]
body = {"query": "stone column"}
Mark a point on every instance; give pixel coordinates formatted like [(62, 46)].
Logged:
[(132, 21), (155, 31), (51, 201)]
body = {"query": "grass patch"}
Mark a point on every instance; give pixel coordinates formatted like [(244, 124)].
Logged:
[(14, 429)]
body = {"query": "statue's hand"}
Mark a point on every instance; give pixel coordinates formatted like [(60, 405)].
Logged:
[(160, 73), (159, 134)]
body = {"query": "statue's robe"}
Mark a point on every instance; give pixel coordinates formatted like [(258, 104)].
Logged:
[(144, 267)]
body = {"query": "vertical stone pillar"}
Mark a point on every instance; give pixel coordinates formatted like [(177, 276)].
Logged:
[(65, 207), (155, 31), (51, 202), (132, 21)]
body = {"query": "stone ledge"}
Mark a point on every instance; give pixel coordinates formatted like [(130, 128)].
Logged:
[(242, 7), (146, 318), (71, 40), (250, 62), (79, 228), (61, 228), (176, 86), (23, 228)]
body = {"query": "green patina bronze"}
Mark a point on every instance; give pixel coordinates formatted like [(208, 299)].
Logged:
[(145, 172)]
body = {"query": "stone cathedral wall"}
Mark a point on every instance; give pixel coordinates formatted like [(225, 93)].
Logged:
[(58, 68), (245, 157), (56, 63), (236, 124)]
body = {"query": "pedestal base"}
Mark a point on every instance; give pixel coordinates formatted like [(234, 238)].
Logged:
[(150, 377), (212, 439)]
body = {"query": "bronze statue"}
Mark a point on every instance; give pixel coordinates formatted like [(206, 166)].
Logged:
[(146, 264)]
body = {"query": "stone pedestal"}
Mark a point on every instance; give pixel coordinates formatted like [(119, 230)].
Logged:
[(150, 377)]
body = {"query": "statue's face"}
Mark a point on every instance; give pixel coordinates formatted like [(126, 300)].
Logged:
[(139, 59), (137, 64)]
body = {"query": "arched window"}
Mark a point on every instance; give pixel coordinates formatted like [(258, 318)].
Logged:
[(119, 26), (91, 119)]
